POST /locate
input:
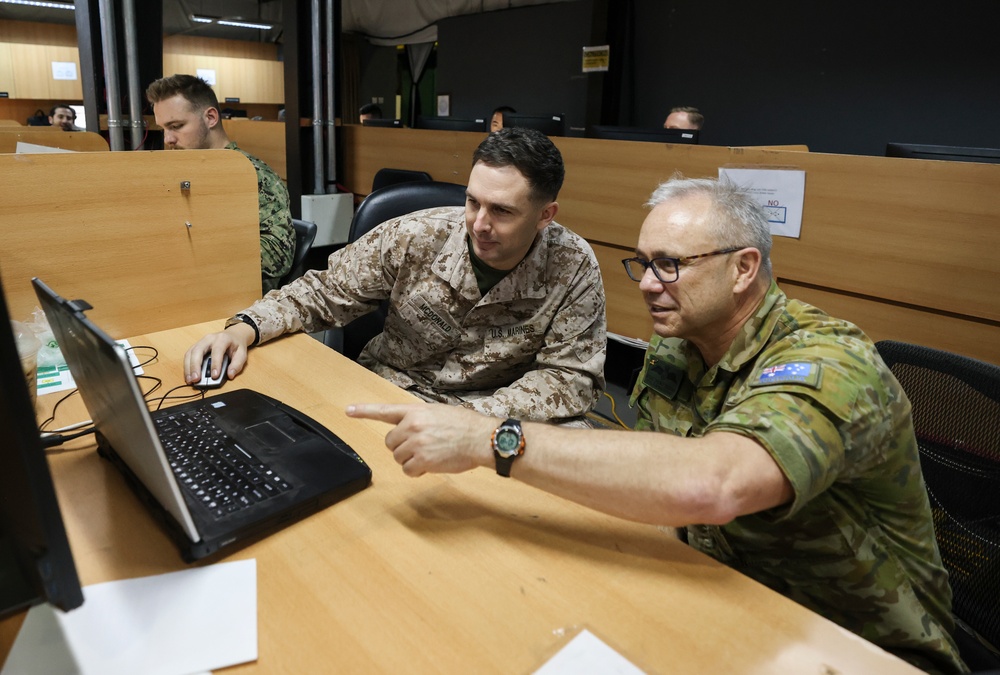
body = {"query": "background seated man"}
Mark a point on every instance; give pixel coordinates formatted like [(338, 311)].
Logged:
[(64, 117), (496, 119), (497, 308), (188, 111), (369, 111), (784, 446), (684, 117)]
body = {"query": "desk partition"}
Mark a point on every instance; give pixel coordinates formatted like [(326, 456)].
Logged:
[(54, 137), (150, 239), (901, 247)]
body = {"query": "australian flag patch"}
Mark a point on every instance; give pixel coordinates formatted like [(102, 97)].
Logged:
[(798, 372)]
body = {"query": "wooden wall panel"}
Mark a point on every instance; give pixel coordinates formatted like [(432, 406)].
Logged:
[(627, 314), (250, 80), (265, 140), (237, 49), (6, 69), (445, 155), (31, 72), (886, 321), (35, 33)]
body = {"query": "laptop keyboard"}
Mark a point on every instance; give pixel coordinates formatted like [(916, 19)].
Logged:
[(211, 467)]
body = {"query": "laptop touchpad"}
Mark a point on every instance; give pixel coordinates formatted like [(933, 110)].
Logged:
[(270, 436)]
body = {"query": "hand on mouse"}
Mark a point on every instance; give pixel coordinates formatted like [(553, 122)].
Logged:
[(233, 341)]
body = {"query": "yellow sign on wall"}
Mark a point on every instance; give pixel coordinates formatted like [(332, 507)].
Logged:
[(595, 59)]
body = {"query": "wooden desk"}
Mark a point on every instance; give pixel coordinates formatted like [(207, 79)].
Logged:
[(449, 574)]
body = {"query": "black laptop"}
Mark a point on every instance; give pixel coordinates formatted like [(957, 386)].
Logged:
[(215, 471)]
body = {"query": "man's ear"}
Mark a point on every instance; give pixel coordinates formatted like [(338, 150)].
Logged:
[(548, 215), (747, 268), (212, 117)]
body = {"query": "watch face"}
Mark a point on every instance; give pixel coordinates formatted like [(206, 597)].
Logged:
[(508, 442)]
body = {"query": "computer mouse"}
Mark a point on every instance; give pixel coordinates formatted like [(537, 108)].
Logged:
[(207, 381)]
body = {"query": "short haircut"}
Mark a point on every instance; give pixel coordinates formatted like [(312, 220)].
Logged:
[(67, 106), (194, 90), (738, 219), (531, 153), (371, 109), (697, 119), (503, 110)]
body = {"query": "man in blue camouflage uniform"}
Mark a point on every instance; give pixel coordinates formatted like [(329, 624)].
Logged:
[(789, 451), (493, 306), (188, 111)]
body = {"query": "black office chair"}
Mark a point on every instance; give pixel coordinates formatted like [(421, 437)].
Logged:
[(956, 416), (305, 234), (386, 177), (378, 207)]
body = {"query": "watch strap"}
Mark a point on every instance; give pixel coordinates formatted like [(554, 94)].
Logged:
[(243, 318), (504, 463)]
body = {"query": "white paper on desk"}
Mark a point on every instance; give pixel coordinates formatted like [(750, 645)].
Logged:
[(782, 193), (169, 624), (51, 379), (587, 655), (25, 148)]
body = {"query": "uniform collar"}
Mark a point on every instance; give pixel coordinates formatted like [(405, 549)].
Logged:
[(756, 332)]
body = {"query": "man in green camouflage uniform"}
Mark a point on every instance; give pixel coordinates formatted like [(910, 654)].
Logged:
[(493, 306), (789, 451), (188, 111)]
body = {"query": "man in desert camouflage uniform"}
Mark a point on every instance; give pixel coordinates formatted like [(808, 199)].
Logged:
[(788, 451), (188, 111), (492, 306)]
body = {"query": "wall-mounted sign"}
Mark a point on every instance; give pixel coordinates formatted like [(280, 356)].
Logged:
[(206, 74), (63, 70), (232, 99), (595, 59), (780, 191)]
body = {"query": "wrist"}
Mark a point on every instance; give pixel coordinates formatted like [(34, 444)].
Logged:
[(244, 326)]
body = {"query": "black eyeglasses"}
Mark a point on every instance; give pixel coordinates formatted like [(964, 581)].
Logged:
[(666, 270)]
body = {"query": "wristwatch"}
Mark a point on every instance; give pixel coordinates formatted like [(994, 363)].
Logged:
[(243, 318), (508, 445)]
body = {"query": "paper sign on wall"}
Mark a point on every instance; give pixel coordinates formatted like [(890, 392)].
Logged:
[(596, 59), (63, 70), (780, 191), (207, 74)]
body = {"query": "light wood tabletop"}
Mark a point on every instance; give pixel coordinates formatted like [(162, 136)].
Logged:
[(445, 574)]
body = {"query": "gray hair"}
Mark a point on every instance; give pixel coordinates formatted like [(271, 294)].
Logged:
[(738, 219)]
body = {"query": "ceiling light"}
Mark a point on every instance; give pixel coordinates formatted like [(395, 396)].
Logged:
[(37, 3), (243, 24)]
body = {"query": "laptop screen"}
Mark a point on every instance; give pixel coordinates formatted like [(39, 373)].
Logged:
[(110, 391)]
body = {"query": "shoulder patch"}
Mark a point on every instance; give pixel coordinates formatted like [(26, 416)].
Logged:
[(797, 372)]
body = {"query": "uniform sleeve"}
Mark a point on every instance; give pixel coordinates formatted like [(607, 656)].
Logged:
[(357, 278), (569, 369), (277, 236), (837, 430)]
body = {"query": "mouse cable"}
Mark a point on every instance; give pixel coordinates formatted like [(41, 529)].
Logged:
[(52, 416), (167, 396)]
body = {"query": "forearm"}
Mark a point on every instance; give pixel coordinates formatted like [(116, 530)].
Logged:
[(652, 477)]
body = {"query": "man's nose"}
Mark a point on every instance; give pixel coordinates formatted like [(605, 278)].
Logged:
[(649, 282), (481, 221)]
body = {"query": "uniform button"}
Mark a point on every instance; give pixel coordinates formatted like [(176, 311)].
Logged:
[(708, 543)]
